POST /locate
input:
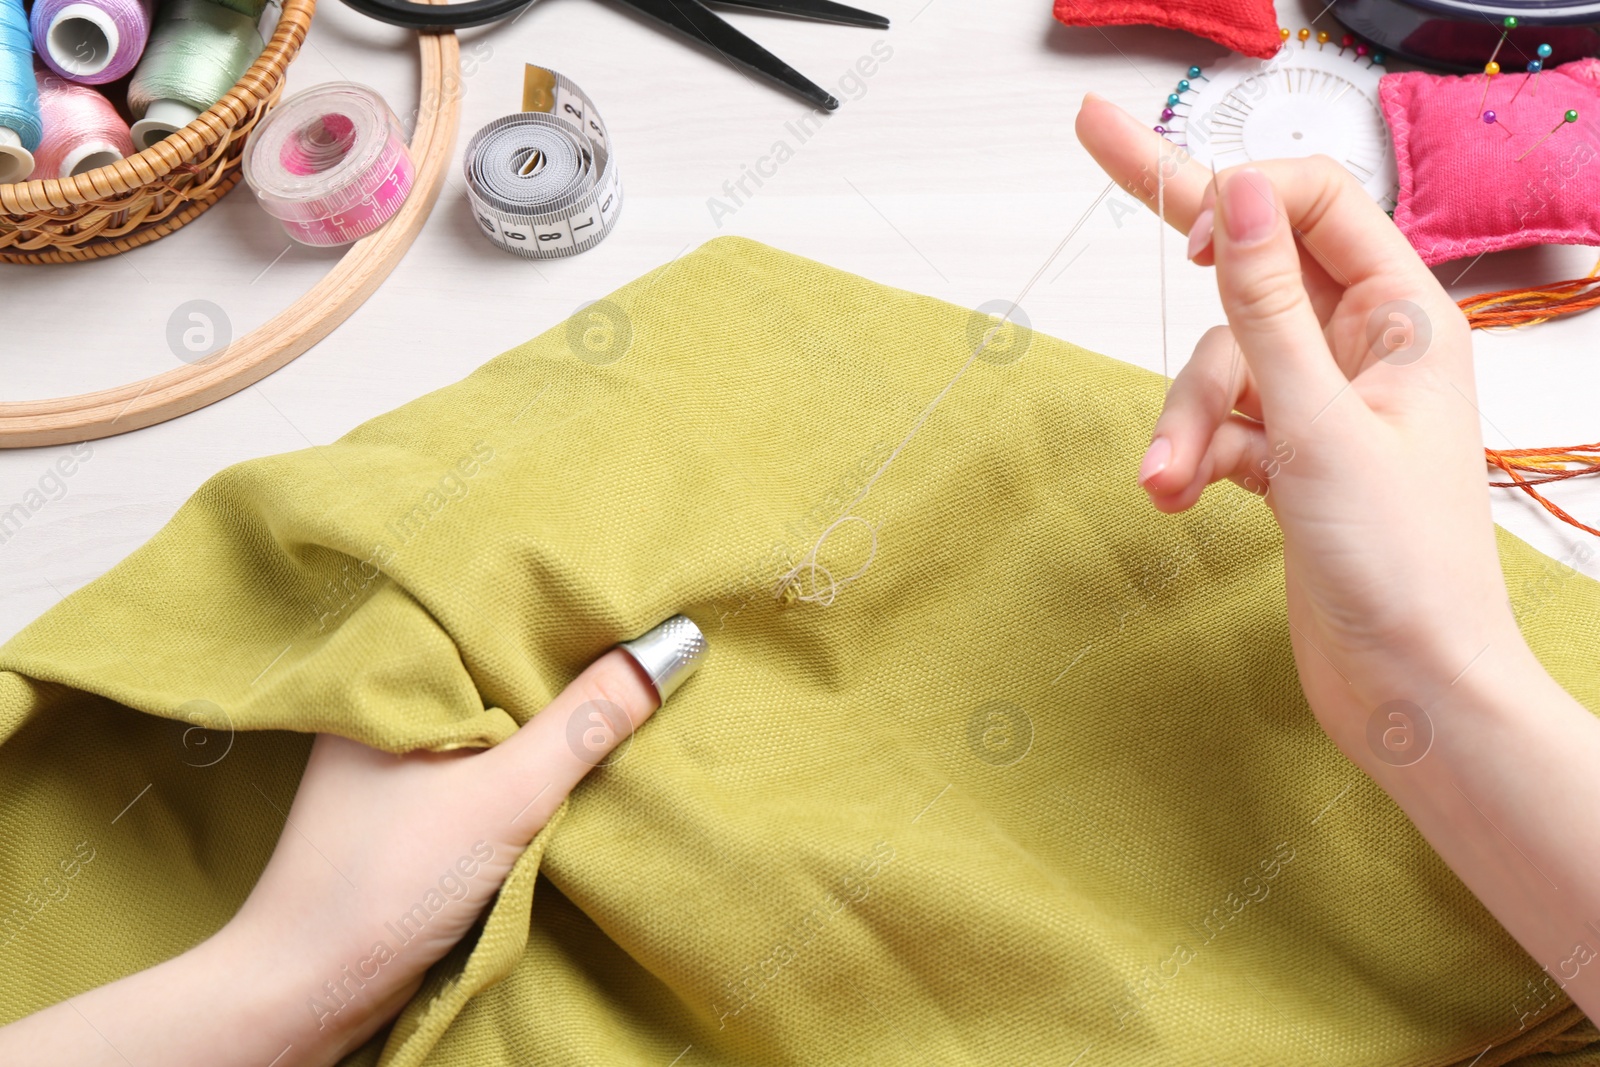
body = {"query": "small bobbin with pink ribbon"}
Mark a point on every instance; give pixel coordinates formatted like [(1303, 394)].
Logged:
[(330, 164)]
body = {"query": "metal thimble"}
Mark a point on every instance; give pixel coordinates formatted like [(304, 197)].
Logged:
[(669, 653)]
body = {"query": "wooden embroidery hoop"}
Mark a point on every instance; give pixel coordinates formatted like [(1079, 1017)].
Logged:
[(88, 416)]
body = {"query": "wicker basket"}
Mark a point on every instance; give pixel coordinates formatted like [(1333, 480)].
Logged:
[(148, 195)]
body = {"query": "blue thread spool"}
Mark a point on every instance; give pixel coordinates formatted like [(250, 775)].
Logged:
[(21, 126)]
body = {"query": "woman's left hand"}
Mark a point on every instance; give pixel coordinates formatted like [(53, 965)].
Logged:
[(384, 864)]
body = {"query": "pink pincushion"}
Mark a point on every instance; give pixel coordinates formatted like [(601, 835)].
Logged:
[(1462, 190)]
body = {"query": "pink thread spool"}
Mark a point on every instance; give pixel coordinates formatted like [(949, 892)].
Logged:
[(82, 130), (330, 164)]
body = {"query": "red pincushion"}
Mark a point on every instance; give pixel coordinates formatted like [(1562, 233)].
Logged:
[(1462, 190), (1247, 26)]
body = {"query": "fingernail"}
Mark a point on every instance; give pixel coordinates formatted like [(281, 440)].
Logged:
[(1156, 458), (1250, 209), (1200, 232)]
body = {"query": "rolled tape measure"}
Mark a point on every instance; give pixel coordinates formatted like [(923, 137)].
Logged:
[(543, 182), (329, 163)]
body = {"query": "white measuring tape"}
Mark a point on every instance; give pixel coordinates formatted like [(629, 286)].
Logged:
[(543, 182)]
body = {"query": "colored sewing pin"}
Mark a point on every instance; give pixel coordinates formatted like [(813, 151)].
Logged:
[(1345, 42), (1544, 54), (1491, 118), (1569, 117), (1322, 39), (1534, 67), (1510, 23), (1304, 35), (1194, 72), (1490, 69), (1377, 60)]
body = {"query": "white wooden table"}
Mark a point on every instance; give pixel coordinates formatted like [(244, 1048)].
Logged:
[(952, 169)]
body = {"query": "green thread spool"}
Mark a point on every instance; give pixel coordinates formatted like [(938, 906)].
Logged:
[(197, 52), (253, 8)]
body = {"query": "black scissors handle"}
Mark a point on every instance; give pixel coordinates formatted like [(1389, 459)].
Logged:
[(700, 23)]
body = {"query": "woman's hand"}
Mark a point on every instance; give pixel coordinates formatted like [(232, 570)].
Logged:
[(1342, 389), (385, 862)]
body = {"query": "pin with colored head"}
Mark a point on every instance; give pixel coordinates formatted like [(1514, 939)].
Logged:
[(1507, 24), (1303, 36), (1491, 119), (1345, 42), (1490, 69), (1545, 52), (1378, 59), (1534, 67), (1566, 120), (1195, 74), (1322, 39)]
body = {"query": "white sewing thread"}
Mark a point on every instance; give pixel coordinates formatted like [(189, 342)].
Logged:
[(1161, 244), (823, 592)]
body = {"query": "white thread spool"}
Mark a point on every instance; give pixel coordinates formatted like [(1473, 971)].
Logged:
[(162, 118), (16, 162)]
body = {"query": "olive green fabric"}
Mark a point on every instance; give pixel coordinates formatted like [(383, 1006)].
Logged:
[(1013, 770)]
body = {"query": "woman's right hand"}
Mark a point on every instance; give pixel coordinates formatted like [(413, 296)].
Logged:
[(1342, 388)]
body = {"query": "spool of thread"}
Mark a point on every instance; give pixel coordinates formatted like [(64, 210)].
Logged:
[(90, 41), (330, 164), (20, 122), (253, 8), (82, 130), (197, 52)]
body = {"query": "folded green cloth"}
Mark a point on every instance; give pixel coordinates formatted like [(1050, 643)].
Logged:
[(990, 762)]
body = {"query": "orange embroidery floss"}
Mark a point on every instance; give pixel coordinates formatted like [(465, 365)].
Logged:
[(1524, 307)]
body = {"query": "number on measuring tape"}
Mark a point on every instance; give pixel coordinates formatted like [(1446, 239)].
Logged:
[(553, 236)]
